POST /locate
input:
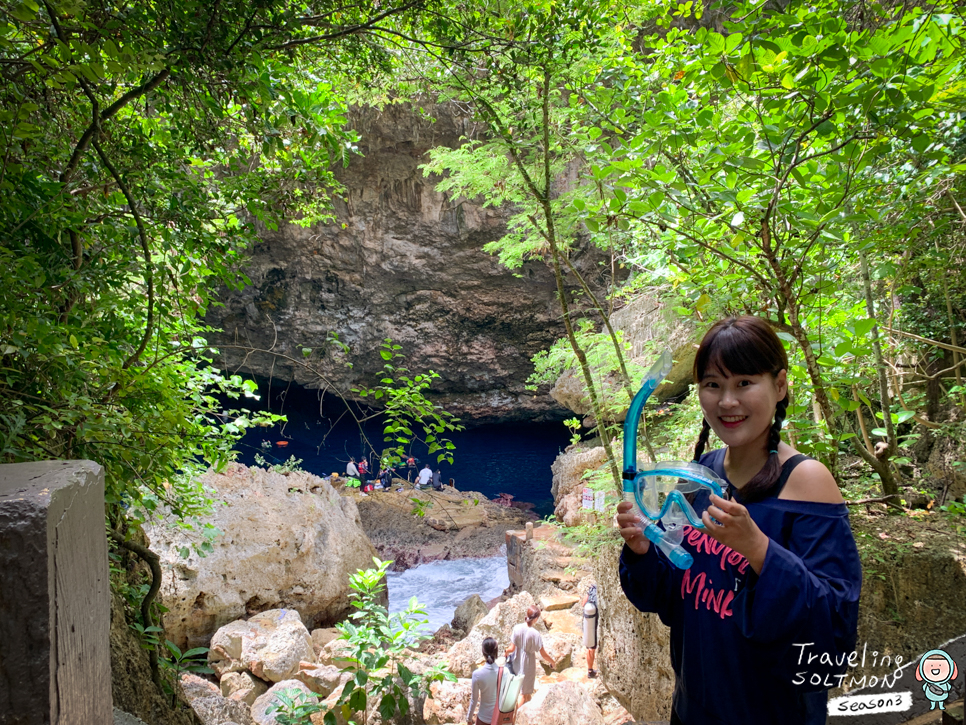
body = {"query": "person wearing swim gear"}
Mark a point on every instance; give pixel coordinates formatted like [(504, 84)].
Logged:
[(775, 565), (483, 686), (588, 605)]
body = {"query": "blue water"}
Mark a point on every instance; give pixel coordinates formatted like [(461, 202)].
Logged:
[(513, 458)]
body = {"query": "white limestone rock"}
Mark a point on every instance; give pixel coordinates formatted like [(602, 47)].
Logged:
[(262, 704), (562, 703), (281, 546), (270, 645), (218, 710), (448, 703), (195, 687), (242, 686), (320, 679)]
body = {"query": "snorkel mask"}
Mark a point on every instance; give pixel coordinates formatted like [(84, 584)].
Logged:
[(660, 491)]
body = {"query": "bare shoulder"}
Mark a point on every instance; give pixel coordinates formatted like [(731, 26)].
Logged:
[(811, 481)]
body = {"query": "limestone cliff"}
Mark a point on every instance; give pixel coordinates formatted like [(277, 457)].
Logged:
[(400, 261)]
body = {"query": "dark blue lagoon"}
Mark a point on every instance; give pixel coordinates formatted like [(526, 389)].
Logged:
[(512, 458)]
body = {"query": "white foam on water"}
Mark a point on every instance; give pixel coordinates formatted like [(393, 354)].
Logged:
[(441, 586)]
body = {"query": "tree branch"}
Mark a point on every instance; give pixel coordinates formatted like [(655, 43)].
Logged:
[(145, 249)]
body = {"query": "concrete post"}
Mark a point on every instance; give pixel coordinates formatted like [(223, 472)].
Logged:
[(55, 599), (529, 530)]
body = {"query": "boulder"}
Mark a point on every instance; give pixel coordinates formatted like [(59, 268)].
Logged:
[(562, 703), (195, 687), (553, 604), (448, 703), (242, 686), (260, 707), (270, 645), (335, 653), (467, 614), (320, 679), (329, 704), (279, 547), (560, 649), (498, 623), (218, 710), (321, 637)]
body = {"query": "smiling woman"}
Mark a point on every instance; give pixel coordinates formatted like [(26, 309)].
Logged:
[(777, 562)]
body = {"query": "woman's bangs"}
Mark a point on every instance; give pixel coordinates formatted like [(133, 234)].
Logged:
[(731, 353)]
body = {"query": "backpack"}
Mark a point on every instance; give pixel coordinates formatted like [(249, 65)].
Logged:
[(508, 692)]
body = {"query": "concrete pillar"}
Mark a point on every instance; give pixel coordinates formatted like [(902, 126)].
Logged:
[(55, 599), (529, 530)]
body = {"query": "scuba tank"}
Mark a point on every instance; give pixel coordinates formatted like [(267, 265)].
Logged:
[(590, 625)]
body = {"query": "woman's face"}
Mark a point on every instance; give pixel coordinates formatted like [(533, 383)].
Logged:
[(741, 408)]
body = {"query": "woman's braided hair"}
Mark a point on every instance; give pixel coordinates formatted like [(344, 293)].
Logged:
[(745, 346)]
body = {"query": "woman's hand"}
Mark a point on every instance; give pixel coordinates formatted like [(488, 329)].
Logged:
[(734, 527), (628, 521)]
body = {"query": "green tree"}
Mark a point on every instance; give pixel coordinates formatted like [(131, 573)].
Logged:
[(140, 145), (766, 161)]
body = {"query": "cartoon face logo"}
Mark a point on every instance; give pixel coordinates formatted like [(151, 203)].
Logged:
[(937, 671)]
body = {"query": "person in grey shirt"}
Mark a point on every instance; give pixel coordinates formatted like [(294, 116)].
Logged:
[(483, 689)]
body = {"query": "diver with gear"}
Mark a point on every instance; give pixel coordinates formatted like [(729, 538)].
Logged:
[(742, 573)]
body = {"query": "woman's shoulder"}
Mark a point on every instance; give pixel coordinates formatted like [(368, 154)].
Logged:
[(810, 481)]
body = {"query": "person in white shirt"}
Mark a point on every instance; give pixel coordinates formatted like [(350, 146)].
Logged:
[(351, 470), (425, 476), (483, 686)]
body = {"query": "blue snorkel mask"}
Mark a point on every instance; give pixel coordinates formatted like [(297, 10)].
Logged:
[(675, 493)]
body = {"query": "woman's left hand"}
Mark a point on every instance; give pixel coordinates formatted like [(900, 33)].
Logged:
[(734, 527)]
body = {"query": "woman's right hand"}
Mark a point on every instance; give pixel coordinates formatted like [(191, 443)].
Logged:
[(628, 521)]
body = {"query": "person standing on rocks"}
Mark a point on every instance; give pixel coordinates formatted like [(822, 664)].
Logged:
[(589, 606), (483, 686), (437, 481), (527, 643)]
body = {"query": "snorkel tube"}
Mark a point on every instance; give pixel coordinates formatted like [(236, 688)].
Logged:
[(658, 490)]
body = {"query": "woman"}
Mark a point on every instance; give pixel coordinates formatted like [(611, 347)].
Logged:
[(527, 642), (776, 574), (483, 686)]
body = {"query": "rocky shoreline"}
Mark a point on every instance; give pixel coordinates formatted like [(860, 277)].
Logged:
[(455, 525)]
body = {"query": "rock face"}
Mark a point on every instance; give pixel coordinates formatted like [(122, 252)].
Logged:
[(448, 703), (401, 261), (277, 549), (562, 703), (568, 484), (634, 654)]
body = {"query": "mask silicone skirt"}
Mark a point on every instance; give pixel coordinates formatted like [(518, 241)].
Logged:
[(674, 493)]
